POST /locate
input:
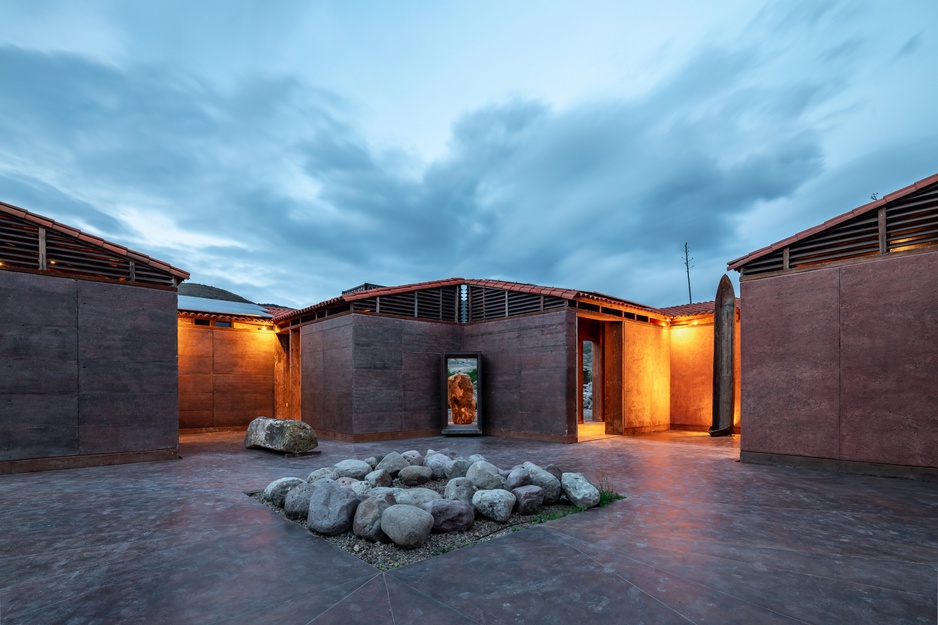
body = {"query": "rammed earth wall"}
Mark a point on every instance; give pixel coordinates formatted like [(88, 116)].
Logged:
[(88, 372)]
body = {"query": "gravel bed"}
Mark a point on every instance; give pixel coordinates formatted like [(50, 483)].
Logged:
[(385, 556)]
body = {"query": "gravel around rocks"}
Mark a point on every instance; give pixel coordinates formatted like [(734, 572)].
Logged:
[(385, 556)]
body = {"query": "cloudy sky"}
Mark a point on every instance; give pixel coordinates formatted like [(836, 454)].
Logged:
[(289, 150)]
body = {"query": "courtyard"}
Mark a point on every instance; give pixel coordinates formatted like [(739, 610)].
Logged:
[(701, 538)]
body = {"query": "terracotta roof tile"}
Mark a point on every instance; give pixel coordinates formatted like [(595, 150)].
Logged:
[(865, 208)]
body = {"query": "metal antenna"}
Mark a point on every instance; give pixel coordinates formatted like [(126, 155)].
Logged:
[(688, 266)]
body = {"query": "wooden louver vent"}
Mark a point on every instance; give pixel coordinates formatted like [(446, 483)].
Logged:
[(24, 245), (68, 255), (487, 303), (435, 304), (19, 243), (906, 224), (912, 222)]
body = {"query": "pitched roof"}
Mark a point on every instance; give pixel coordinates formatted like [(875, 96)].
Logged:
[(692, 310), (835, 221), (689, 310), (221, 306), (568, 294), (49, 224)]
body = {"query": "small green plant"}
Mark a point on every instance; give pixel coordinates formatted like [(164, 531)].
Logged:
[(606, 493)]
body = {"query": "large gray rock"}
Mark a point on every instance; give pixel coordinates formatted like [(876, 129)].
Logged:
[(415, 475), (530, 499), (518, 477), (413, 457), (580, 491), (361, 487), (554, 470), (296, 504), (276, 491), (392, 463), (407, 526), (494, 504), (331, 508), (476, 457), (457, 468), (550, 484), (357, 469), (381, 491), (450, 515), (379, 477), (347, 481), (416, 496), (459, 489), (485, 476), (280, 435), (324, 473), (437, 463), (367, 521)]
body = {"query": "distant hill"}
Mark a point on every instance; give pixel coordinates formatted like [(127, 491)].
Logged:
[(210, 292)]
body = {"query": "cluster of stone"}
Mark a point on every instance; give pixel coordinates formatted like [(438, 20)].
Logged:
[(357, 495)]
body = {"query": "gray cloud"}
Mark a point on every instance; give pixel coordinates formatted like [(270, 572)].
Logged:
[(599, 195)]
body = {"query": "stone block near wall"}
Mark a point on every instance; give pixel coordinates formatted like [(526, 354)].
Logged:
[(292, 437)]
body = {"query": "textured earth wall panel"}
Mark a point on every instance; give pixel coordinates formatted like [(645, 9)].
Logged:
[(791, 364), (327, 375), (529, 384), (85, 368), (692, 374), (226, 375), (647, 377), (889, 361), (399, 375), (128, 372)]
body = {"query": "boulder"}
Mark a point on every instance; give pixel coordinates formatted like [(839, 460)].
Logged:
[(324, 473), (379, 477), (554, 470), (331, 508), (360, 487), (415, 475), (462, 403), (357, 469), (530, 499), (367, 521), (381, 491), (372, 460), (494, 504), (580, 490), (518, 477), (458, 468), (347, 481), (296, 504), (437, 464), (450, 515), (413, 457), (283, 435), (460, 489), (485, 476), (550, 484), (416, 496), (475, 458), (392, 463), (276, 491), (407, 526)]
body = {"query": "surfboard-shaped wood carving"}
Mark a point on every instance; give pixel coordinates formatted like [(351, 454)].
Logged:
[(724, 381)]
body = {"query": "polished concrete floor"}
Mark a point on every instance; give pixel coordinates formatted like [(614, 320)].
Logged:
[(701, 538)]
